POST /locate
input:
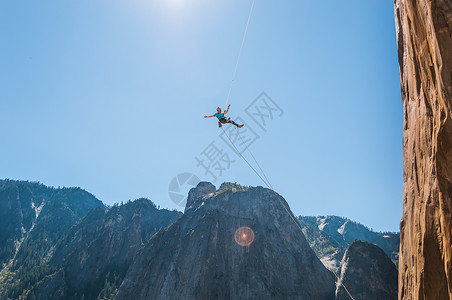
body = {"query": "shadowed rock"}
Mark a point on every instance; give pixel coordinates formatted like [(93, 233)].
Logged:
[(371, 261)]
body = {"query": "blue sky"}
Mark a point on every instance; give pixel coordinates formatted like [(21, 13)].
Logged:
[(110, 96)]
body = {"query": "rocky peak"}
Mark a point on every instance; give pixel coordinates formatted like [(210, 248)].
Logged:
[(202, 189), (236, 244), (233, 187), (363, 258)]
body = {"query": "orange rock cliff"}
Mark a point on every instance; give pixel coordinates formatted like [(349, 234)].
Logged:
[(424, 37)]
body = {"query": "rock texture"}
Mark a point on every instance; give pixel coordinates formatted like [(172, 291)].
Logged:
[(197, 256), (424, 36), (371, 261)]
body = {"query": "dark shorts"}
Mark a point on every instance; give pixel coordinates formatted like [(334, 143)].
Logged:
[(224, 120)]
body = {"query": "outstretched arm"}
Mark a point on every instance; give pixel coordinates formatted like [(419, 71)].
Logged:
[(209, 116), (227, 109)]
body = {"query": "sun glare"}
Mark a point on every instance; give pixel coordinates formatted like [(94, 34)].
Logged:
[(176, 3)]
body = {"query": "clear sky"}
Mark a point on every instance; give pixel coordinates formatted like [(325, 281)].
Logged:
[(110, 96)]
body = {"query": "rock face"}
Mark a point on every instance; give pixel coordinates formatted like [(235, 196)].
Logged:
[(424, 36), (370, 260), (339, 233), (97, 252), (197, 257)]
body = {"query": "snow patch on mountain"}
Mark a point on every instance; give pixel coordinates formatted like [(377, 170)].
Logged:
[(322, 223), (341, 229)]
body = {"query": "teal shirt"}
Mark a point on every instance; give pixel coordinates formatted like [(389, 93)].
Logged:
[(219, 116)]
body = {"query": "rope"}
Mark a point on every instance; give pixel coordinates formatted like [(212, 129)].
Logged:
[(232, 143), (262, 171), (240, 53), (268, 184), (317, 236), (282, 203), (317, 251)]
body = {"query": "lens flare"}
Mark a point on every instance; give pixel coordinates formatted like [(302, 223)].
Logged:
[(244, 236)]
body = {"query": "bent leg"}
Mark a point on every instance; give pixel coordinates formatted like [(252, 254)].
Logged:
[(235, 124)]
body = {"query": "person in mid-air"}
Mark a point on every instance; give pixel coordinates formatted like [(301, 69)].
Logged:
[(222, 119)]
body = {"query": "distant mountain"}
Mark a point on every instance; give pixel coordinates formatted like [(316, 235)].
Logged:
[(380, 274), (33, 218), (339, 233), (92, 259), (208, 254)]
